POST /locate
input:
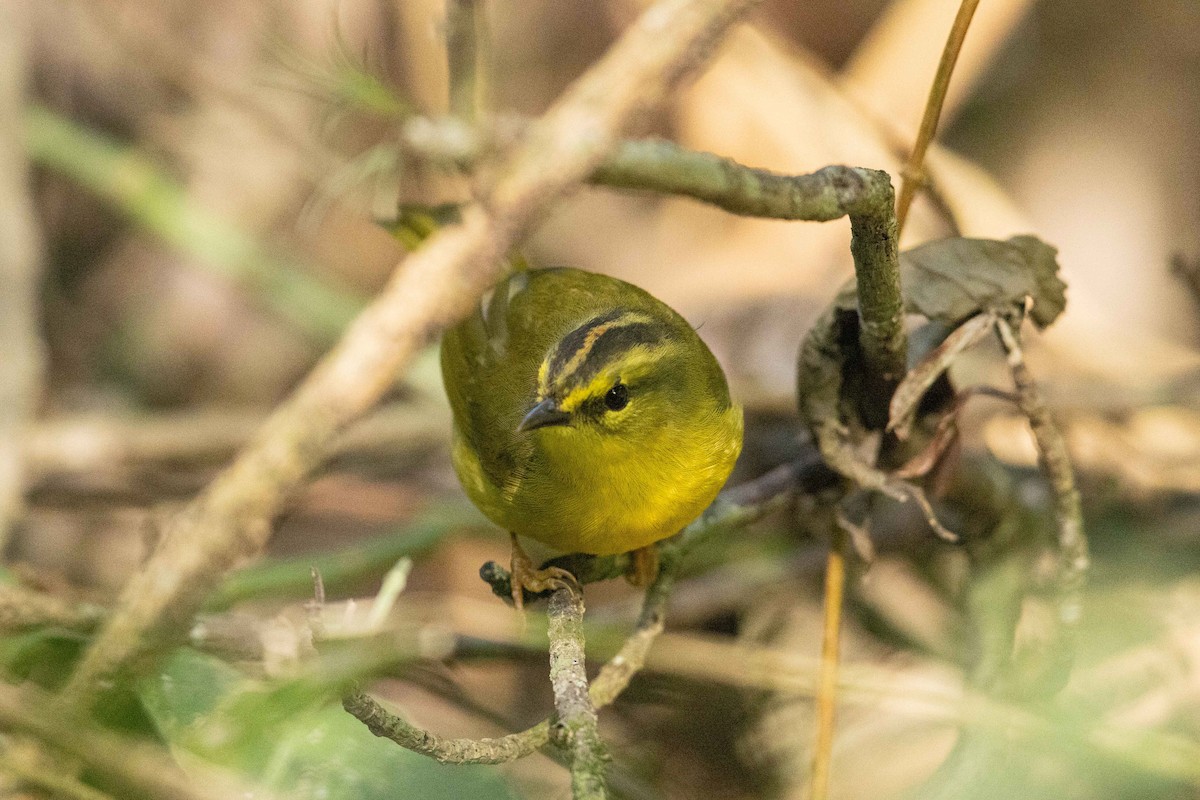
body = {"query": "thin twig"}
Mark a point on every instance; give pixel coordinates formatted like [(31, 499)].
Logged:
[(913, 175), (438, 284), (1055, 461), (385, 724), (576, 726)]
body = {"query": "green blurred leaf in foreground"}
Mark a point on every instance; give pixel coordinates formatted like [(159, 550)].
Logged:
[(293, 738)]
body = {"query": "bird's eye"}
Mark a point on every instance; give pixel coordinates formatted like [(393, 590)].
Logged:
[(617, 397)]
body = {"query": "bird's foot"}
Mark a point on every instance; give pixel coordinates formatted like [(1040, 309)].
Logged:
[(643, 566), (528, 578)]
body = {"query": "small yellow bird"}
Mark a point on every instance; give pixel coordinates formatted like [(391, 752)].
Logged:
[(587, 415)]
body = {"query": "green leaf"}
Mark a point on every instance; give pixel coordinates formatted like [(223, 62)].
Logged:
[(952, 279), (45, 656), (293, 737)]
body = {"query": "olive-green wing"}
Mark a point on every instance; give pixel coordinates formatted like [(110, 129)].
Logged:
[(489, 367)]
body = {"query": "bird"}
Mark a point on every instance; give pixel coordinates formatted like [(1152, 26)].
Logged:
[(587, 415)]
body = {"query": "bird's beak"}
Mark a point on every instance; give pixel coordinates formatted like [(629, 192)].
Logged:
[(543, 414)]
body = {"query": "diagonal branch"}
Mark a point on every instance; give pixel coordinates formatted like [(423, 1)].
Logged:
[(436, 286)]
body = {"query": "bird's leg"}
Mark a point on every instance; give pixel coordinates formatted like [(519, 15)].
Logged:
[(526, 577), (643, 566)]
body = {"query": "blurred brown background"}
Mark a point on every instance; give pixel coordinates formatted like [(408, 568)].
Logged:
[(199, 221)]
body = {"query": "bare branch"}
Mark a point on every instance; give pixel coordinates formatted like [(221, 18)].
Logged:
[(576, 727), (382, 722)]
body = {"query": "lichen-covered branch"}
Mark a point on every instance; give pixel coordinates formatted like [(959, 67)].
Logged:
[(576, 726), (865, 195), (661, 166), (382, 722), (434, 287)]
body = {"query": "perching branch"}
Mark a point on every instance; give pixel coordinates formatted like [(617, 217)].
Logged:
[(576, 727), (732, 509), (437, 286), (612, 679)]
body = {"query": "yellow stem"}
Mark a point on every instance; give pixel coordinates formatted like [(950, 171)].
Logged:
[(912, 177), (835, 587)]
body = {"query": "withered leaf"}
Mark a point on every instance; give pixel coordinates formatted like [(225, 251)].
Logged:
[(952, 279)]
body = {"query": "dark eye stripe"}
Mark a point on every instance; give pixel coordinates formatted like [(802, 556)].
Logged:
[(614, 343), (585, 350)]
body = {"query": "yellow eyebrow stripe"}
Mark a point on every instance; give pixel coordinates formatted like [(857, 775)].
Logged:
[(588, 343), (578, 356)]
